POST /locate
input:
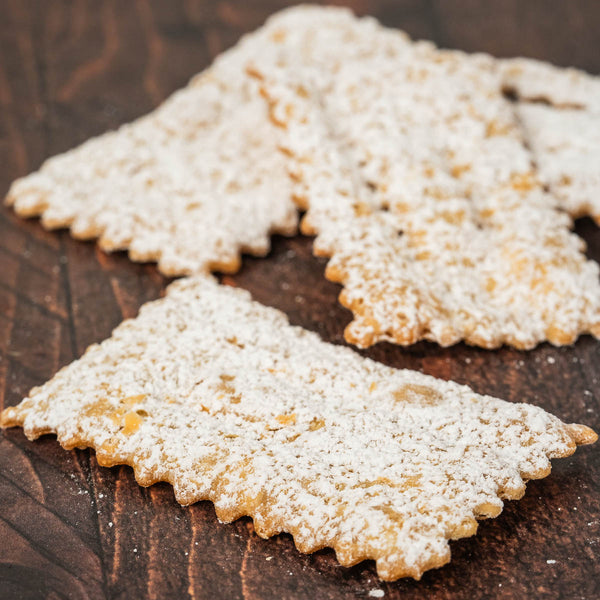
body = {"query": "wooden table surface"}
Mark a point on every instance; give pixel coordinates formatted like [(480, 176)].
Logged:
[(69, 529)]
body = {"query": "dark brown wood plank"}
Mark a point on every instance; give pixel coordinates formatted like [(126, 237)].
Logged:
[(563, 33), (70, 529)]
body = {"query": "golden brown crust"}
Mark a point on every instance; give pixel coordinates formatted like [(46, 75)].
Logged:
[(266, 527)]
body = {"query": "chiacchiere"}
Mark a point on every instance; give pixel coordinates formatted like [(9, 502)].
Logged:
[(221, 397), (191, 185), (416, 178)]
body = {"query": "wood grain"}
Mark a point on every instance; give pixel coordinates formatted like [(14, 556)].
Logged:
[(69, 529)]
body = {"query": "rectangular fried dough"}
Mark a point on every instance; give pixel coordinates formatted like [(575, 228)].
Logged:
[(190, 185), (221, 397), (419, 186)]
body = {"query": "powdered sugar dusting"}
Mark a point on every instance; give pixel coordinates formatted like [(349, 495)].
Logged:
[(559, 110), (566, 146), (419, 186), (224, 399), (533, 80)]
